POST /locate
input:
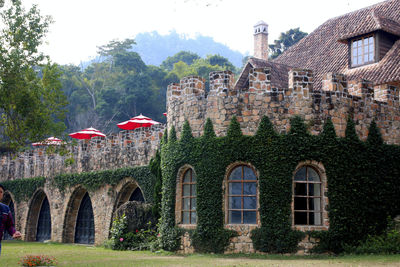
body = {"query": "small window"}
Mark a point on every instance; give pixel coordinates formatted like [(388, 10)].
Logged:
[(362, 51), (242, 196), (189, 215), (307, 197)]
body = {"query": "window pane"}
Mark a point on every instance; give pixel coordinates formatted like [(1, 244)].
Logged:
[(235, 216), (300, 189), (193, 177), (359, 50), (371, 48), (315, 218), (186, 179), (355, 60), (235, 202), (193, 204), (249, 203), (249, 217), (300, 175), (359, 43), (314, 204), (354, 44), (186, 204), (235, 188), (185, 217), (186, 190), (193, 193), (355, 51), (314, 190), (312, 175), (359, 59), (249, 188), (193, 217), (365, 57), (371, 40), (236, 174), (300, 203), (371, 57), (300, 218), (249, 174)]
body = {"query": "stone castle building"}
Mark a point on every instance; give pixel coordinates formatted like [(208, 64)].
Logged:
[(349, 66)]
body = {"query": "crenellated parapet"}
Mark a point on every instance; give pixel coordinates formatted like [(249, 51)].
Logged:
[(123, 149), (337, 99)]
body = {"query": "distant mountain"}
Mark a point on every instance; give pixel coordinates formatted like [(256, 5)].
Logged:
[(155, 48)]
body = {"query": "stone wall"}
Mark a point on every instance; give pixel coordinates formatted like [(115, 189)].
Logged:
[(124, 149), (337, 100)]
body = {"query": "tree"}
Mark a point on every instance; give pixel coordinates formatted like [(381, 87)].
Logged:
[(31, 102), (286, 40), (184, 56)]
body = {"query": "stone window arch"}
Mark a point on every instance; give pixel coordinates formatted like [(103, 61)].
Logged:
[(309, 196), (186, 197), (241, 195)]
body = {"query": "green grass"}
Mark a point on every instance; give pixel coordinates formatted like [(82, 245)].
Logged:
[(81, 255)]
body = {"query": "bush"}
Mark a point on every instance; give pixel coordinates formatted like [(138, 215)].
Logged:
[(387, 243), (122, 239)]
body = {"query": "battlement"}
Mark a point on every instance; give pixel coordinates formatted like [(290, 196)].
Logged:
[(123, 149), (337, 99)]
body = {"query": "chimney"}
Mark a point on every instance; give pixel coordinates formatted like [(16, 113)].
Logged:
[(261, 40)]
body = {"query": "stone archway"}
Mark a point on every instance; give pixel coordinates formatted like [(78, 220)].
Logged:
[(8, 200), (129, 191), (79, 219), (39, 218)]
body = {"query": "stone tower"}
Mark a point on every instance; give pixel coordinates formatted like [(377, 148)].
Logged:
[(261, 40)]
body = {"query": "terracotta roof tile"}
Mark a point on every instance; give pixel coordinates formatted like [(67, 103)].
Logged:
[(322, 52)]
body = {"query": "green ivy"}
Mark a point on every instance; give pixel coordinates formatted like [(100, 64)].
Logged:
[(23, 189), (363, 183)]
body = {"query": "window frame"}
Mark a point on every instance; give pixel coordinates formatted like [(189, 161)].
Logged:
[(178, 197), (374, 53), (242, 195), (190, 196)]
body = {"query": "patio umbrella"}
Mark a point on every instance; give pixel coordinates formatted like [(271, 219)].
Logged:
[(165, 114), (137, 122), (87, 133), (50, 141)]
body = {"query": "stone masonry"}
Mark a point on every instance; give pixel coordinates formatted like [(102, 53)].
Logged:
[(337, 100)]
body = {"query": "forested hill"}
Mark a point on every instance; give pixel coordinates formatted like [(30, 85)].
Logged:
[(155, 48)]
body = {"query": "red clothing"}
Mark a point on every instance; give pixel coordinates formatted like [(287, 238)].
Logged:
[(6, 221)]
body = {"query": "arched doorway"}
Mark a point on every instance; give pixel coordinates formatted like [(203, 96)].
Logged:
[(84, 229), (38, 226), (43, 231)]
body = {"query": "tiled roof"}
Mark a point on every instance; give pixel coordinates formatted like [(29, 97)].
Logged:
[(322, 52), (279, 73)]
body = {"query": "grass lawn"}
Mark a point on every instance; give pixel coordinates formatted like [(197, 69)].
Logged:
[(81, 255)]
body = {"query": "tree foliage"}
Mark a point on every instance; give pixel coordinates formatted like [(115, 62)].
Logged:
[(31, 102), (286, 40)]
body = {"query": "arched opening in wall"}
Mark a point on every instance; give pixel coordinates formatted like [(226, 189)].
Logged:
[(79, 205), (38, 226), (84, 230), (130, 192), (10, 203), (43, 231)]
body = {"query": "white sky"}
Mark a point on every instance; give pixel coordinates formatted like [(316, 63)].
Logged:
[(82, 25)]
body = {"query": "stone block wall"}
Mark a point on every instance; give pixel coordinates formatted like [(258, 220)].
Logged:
[(337, 99), (124, 149)]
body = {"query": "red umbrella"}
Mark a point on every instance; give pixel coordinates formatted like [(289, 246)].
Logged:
[(137, 122), (50, 141), (87, 133), (165, 114)]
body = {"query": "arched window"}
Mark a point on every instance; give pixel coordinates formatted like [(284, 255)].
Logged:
[(189, 215), (84, 231), (242, 196), (307, 197)]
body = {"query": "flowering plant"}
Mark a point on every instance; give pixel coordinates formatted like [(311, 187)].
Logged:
[(38, 260)]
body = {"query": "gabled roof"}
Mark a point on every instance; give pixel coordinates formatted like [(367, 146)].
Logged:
[(323, 50), (279, 73)]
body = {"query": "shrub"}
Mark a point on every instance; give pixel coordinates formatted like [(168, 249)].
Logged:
[(140, 239), (386, 243), (38, 260)]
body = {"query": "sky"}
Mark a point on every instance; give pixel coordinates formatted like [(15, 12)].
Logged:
[(80, 26)]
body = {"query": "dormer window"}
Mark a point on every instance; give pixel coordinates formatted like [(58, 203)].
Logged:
[(362, 51)]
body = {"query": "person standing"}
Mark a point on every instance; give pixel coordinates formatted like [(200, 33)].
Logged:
[(6, 219)]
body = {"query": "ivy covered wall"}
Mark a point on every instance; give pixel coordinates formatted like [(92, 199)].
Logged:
[(363, 183)]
